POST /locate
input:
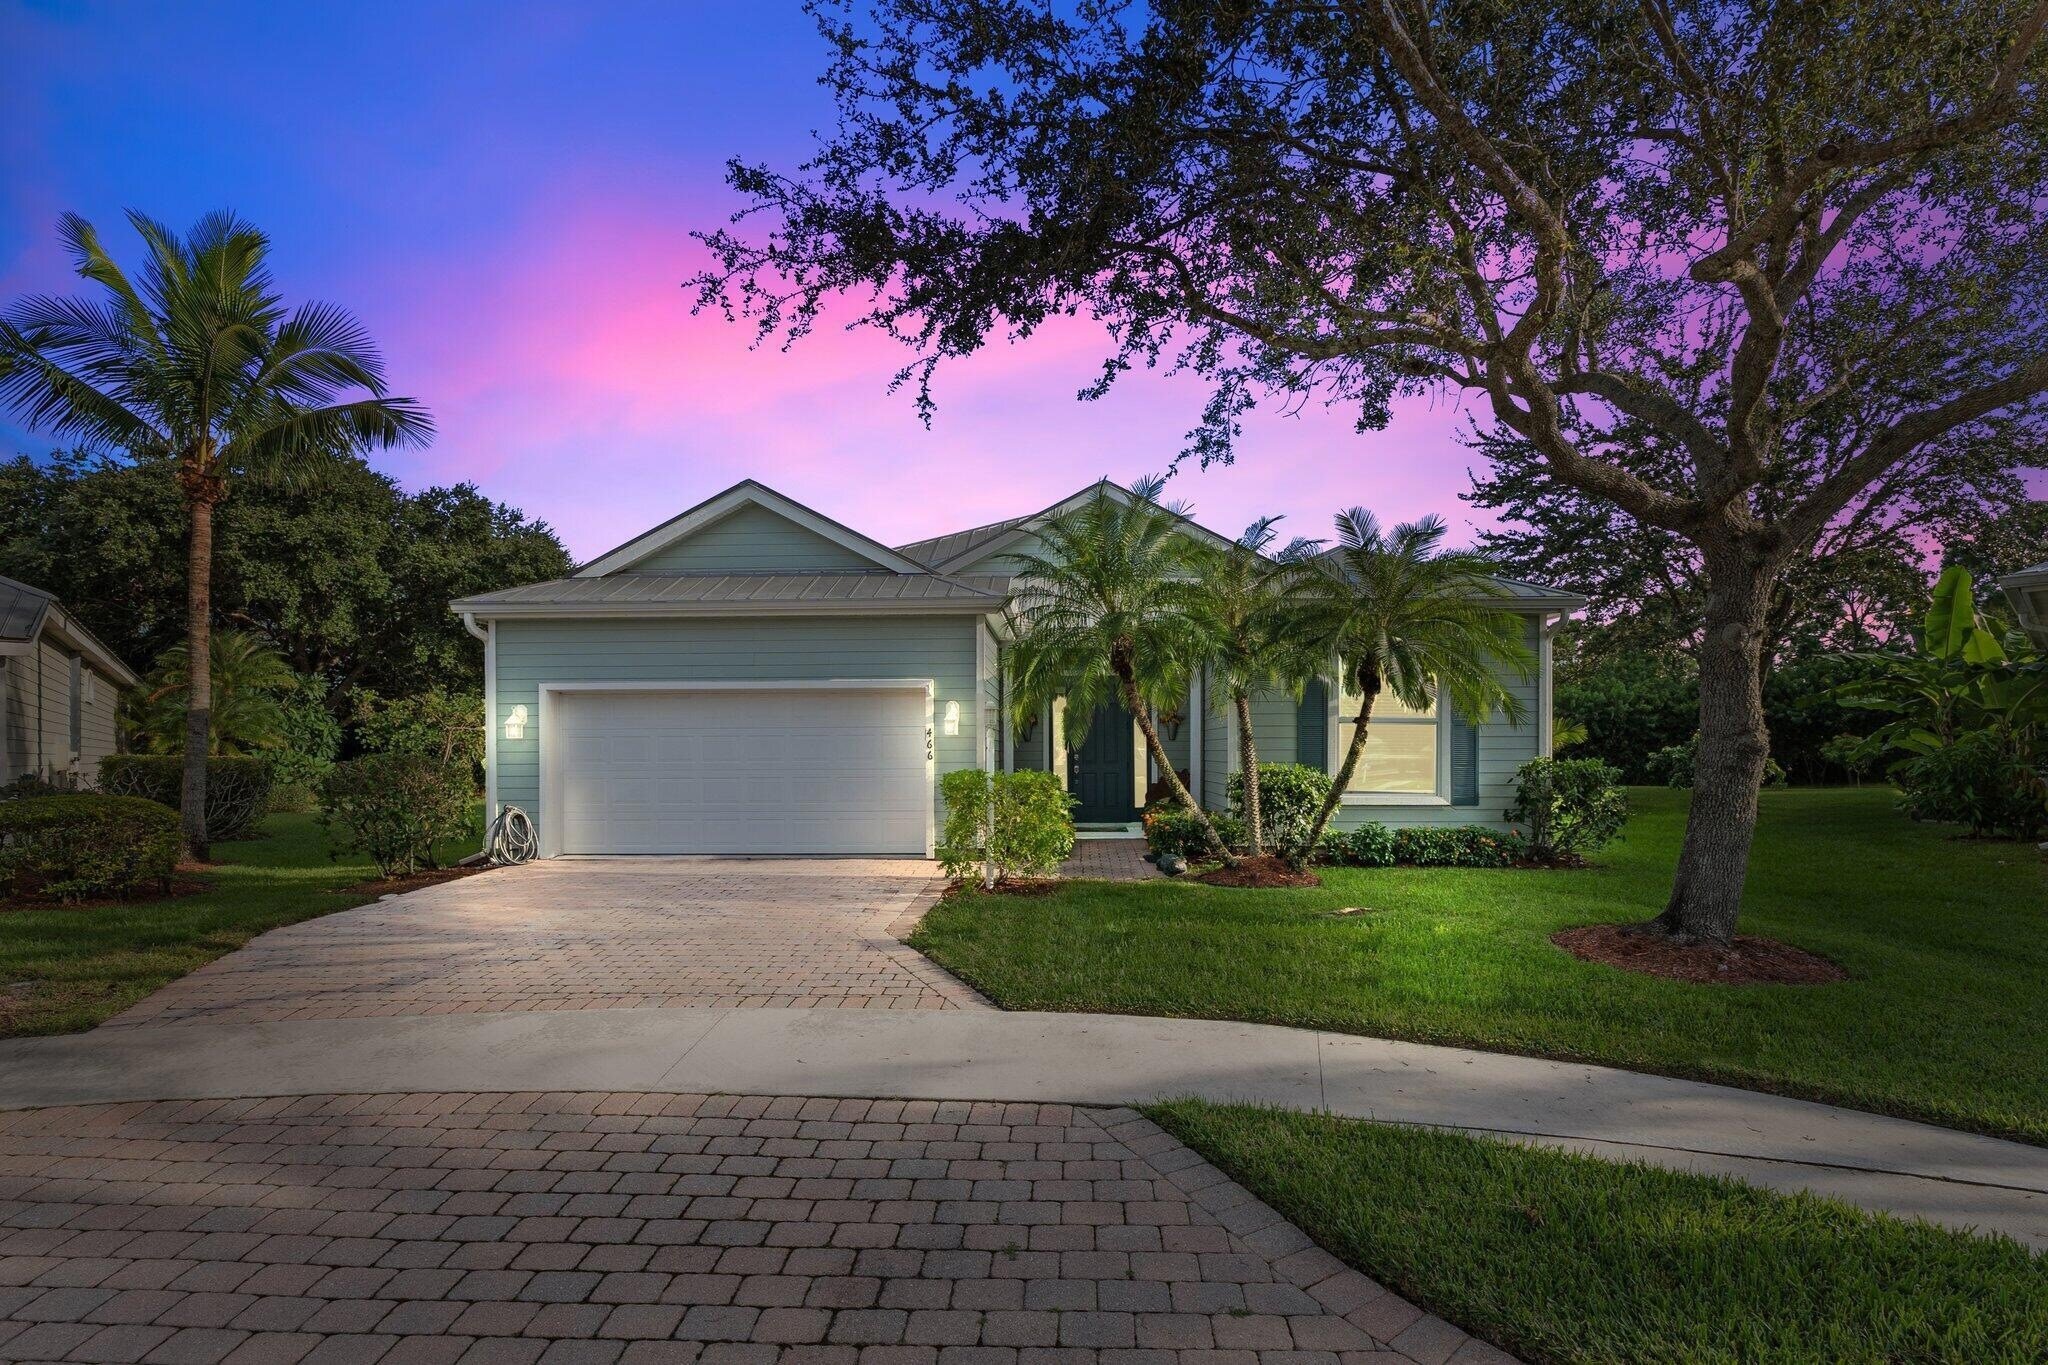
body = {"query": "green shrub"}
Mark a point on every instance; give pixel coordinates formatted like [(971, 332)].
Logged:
[(30, 784), (1673, 765), (1569, 805), (1032, 819), (312, 741), (1290, 794), (395, 807), (1232, 830), (76, 847), (1370, 845), (1458, 846), (237, 788), (1174, 829), (1981, 779)]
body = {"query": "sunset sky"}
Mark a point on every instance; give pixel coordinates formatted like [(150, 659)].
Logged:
[(504, 193)]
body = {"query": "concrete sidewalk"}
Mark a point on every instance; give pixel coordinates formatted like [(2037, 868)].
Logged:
[(1887, 1164)]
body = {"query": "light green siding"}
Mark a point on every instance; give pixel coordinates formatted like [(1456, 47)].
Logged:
[(530, 652), (35, 717), (752, 540)]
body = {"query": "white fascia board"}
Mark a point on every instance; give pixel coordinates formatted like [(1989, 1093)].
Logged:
[(723, 505), (659, 610)]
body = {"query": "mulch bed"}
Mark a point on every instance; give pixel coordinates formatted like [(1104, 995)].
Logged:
[(1006, 886), (393, 886), (1749, 961), (1267, 871), (180, 886)]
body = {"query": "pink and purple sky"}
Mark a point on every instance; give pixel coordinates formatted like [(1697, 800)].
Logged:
[(504, 193)]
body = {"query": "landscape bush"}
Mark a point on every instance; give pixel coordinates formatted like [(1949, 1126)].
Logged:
[(1290, 794), (1673, 765), (1021, 822), (1370, 845), (79, 846), (1568, 805), (395, 808), (1458, 846), (1982, 780), (237, 787)]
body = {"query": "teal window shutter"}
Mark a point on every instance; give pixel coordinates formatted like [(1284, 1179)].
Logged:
[(1464, 758), (1312, 726)]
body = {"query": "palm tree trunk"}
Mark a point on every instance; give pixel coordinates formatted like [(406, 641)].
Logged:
[(1248, 763), (1135, 704), (1369, 691), (198, 676)]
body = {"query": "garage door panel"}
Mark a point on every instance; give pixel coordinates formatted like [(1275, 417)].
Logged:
[(754, 771)]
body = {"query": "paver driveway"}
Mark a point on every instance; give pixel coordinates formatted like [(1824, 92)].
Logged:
[(644, 1228), (601, 933)]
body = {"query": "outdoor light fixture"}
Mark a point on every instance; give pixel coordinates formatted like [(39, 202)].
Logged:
[(515, 723), (952, 724)]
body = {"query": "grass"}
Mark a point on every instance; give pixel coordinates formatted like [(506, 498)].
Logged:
[(1563, 1258), (65, 970), (1946, 942)]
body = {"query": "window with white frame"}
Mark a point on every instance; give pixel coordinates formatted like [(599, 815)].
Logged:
[(1401, 744)]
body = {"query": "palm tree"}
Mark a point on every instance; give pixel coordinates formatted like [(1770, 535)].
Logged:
[(197, 361), (1255, 643), (1402, 616), (248, 678), (1110, 609)]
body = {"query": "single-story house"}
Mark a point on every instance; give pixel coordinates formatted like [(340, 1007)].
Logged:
[(753, 677), (60, 690)]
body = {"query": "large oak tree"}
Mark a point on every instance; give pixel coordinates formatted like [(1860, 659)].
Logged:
[(1555, 209)]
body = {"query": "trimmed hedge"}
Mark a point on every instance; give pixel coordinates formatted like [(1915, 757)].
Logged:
[(1374, 845), (395, 808), (237, 787), (78, 847), (1570, 805)]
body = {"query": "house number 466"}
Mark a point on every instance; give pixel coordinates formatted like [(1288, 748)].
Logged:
[(928, 749)]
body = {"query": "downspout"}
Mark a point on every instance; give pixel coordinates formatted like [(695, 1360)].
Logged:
[(489, 635)]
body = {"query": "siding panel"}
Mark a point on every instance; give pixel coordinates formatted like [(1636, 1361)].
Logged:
[(756, 540)]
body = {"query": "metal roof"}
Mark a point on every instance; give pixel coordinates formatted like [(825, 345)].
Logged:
[(28, 613), (655, 593), (938, 549)]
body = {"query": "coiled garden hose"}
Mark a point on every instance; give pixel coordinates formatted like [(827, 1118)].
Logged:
[(511, 838)]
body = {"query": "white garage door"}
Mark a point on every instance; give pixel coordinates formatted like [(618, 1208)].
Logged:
[(756, 771)]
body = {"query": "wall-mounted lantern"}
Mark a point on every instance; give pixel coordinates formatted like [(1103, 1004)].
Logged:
[(515, 723), (951, 725)]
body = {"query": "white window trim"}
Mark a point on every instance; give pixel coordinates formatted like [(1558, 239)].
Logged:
[(1440, 797), (550, 848)]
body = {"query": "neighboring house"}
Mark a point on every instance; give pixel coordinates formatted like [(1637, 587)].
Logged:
[(2027, 590), (751, 677), (59, 691)]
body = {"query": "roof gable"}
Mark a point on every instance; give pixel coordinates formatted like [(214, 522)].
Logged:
[(750, 528)]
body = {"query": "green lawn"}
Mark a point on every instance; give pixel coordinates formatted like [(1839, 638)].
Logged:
[(64, 970), (1946, 942), (1558, 1257)]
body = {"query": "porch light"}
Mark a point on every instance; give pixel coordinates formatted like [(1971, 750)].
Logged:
[(952, 721), (515, 723)]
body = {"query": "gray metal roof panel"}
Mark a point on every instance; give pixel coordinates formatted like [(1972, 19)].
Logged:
[(22, 609)]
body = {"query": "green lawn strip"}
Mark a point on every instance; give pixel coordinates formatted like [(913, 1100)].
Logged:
[(1558, 1257), (66, 970), (1946, 941)]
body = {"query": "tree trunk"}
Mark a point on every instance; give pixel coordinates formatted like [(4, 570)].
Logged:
[(1126, 676), (198, 677), (1368, 692), (1706, 894), (1248, 763)]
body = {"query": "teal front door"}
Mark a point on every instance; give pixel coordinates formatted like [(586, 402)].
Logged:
[(1099, 770)]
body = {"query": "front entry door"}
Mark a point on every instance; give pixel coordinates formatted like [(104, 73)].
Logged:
[(1099, 770)]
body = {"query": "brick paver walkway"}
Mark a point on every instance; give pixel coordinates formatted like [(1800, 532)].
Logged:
[(598, 1228), (1109, 860), (570, 934)]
